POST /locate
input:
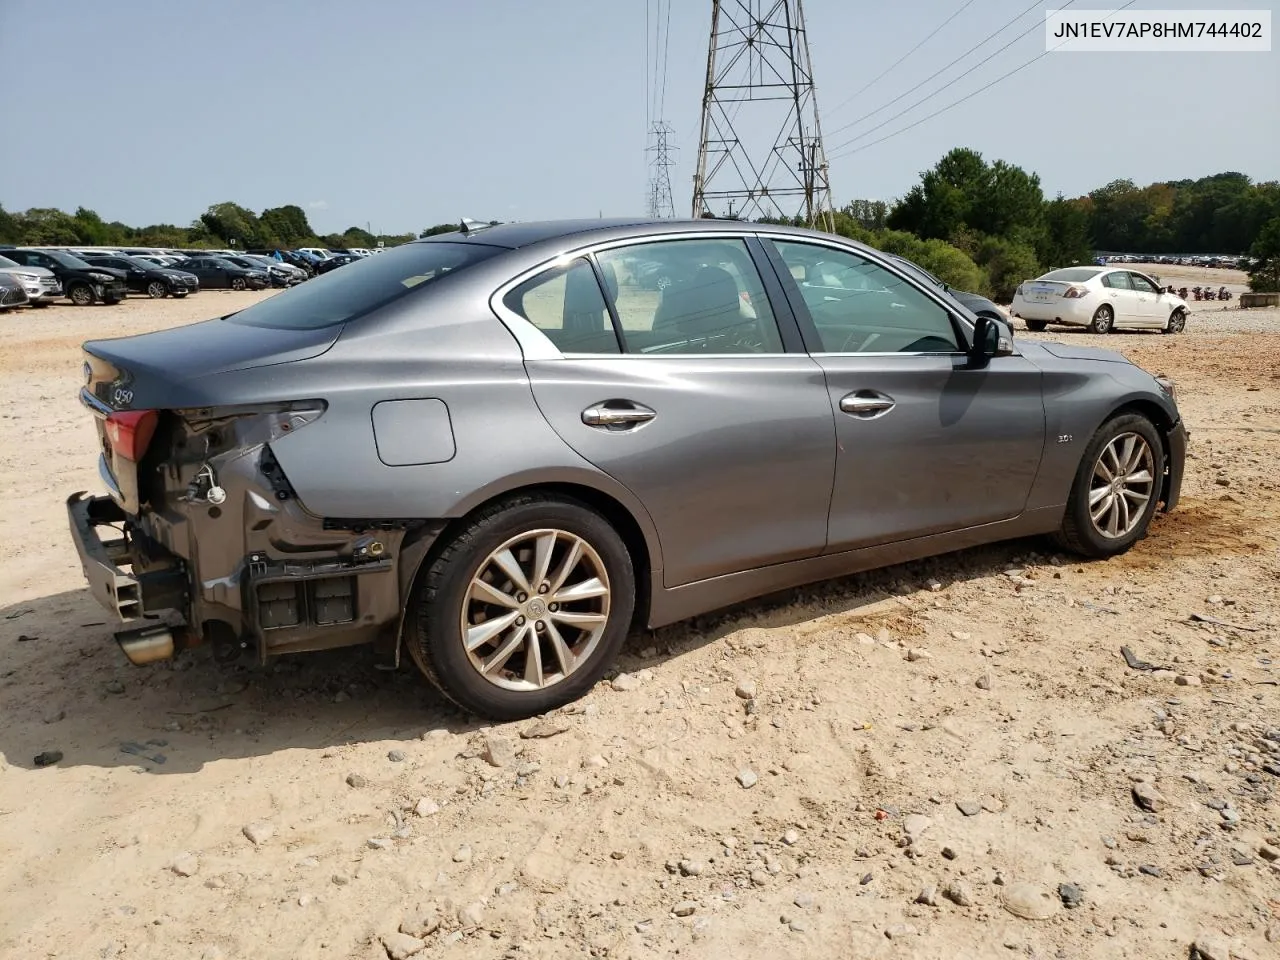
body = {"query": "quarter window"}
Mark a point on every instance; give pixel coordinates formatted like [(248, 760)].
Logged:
[(566, 304), (690, 296), (860, 307)]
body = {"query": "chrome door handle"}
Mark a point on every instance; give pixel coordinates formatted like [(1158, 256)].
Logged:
[(866, 404), (600, 415)]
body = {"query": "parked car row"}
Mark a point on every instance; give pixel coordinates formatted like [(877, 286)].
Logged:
[(1224, 262), (38, 276)]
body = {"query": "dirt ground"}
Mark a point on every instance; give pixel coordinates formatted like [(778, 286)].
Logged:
[(948, 759)]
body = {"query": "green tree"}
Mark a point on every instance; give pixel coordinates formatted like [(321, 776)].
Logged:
[(1008, 264), (47, 226), (10, 227), (236, 226), (1265, 276), (288, 224), (439, 228), (1065, 239)]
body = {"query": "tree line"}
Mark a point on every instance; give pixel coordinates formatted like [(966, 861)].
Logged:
[(978, 225), (222, 225), (986, 227)]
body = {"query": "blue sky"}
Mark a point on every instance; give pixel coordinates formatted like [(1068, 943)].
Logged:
[(404, 113)]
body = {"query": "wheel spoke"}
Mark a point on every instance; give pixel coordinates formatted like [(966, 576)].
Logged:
[(1126, 454), (1113, 519), (564, 656), (1122, 506), (1102, 471), (580, 591), (1098, 493), (542, 558), (488, 593), (1136, 496), (500, 656), (571, 559), (508, 564), (578, 619), (1142, 476), (1101, 510), (533, 660), (482, 633), (1115, 462)]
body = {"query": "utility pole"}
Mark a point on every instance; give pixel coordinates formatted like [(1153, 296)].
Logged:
[(758, 69), (661, 203)]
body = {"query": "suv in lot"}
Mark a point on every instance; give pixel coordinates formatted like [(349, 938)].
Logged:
[(83, 283), (41, 285), (216, 272)]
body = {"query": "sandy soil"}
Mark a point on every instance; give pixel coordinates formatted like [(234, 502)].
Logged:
[(892, 765)]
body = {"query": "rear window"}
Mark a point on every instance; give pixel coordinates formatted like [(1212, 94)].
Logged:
[(360, 287), (1073, 274)]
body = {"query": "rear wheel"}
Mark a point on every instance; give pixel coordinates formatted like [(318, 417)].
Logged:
[(156, 289), (237, 283), (1104, 319), (1177, 321), (80, 293), (1116, 488), (1036, 326), (524, 609)]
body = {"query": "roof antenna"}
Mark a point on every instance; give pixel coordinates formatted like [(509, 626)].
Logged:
[(469, 225)]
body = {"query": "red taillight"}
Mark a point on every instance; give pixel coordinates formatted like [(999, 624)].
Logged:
[(130, 432), (1074, 293)]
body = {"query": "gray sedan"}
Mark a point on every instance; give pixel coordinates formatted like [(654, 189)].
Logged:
[(499, 449)]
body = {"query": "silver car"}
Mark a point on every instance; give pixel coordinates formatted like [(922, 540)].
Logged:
[(499, 449)]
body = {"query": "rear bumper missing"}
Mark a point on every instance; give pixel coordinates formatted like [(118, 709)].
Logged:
[(128, 595)]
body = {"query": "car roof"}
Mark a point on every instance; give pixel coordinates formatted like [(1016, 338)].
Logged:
[(516, 235)]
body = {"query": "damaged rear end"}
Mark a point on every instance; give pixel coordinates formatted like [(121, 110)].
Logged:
[(203, 538)]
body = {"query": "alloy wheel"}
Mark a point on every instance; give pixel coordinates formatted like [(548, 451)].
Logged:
[(535, 610), (1122, 485)]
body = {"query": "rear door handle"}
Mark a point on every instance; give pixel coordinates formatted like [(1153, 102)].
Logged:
[(617, 413), (866, 404)]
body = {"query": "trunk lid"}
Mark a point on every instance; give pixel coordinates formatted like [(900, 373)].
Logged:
[(1045, 291), (176, 369)]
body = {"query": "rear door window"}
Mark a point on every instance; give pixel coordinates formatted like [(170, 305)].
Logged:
[(362, 287), (1117, 281)]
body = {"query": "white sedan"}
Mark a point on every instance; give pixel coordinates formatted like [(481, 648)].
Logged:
[(1100, 298)]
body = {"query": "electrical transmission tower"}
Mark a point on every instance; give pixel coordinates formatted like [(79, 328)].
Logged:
[(759, 59), (661, 204)]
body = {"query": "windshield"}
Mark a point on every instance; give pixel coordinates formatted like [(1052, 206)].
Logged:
[(67, 260), (1073, 274), (6, 263), (343, 295), (142, 263)]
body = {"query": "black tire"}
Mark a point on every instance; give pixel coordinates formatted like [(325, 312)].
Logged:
[(1104, 319), (237, 283), (433, 628), (80, 293), (1036, 326), (1079, 533), (1177, 321), (156, 289)]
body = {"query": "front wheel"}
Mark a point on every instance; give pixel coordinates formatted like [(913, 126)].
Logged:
[(237, 283), (1036, 326), (524, 608), (1177, 321), (1116, 488), (81, 294), (156, 289), (1104, 319)]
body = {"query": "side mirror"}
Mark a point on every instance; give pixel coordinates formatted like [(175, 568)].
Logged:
[(991, 338)]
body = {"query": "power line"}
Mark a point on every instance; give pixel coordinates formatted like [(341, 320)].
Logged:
[(968, 96), (880, 76), (933, 93), (976, 46), (647, 95)]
